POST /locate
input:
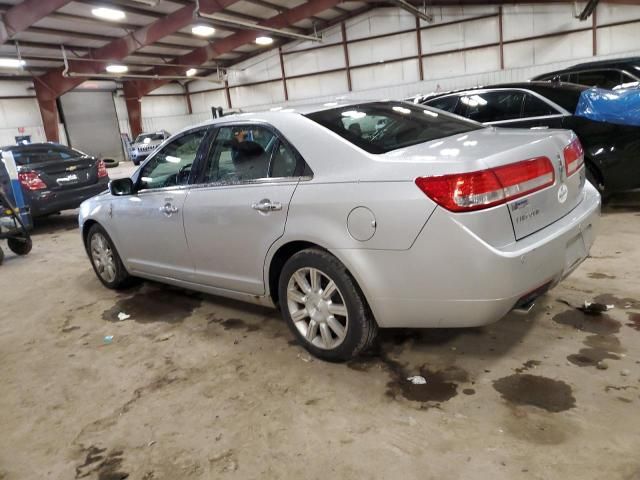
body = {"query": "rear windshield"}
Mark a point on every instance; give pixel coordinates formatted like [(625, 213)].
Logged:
[(567, 98), (380, 127), (149, 137), (46, 154)]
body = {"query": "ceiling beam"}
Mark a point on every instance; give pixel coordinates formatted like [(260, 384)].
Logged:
[(20, 17), (54, 83), (230, 43)]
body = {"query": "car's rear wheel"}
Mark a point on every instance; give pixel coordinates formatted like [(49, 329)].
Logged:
[(324, 307), (596, 180), (105, 259)]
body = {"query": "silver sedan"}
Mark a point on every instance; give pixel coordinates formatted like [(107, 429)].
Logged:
[(351, 218)]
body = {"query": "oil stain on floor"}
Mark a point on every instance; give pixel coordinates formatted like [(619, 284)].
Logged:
[(155, 305), (542, 392), (634, 321), (600, 324), (599, 348), (106, 466)]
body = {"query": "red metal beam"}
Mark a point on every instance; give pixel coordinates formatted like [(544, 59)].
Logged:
[(345, 48), (419, 41), (22, 16), (284, 75), (228, 44), (125, 46)]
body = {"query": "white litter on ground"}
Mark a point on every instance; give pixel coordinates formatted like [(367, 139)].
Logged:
[(417, 380), (123, 316)]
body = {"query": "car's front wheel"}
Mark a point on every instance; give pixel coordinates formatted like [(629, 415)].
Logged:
[(105, 259), (324, 307)]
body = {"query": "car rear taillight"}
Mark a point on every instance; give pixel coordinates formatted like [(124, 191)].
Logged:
[(464, 192), (31, 181), (573, 157), (102, 169)]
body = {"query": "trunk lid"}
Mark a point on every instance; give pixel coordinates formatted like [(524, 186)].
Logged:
[(64, 174), (496, 147)]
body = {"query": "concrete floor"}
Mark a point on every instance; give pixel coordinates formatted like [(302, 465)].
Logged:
[(195, 386)]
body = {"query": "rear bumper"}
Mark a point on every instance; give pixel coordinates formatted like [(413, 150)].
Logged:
[(49, 201), (452, 278)]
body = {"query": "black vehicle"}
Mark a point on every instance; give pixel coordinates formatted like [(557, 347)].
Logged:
[(609, 74), (55, 177), (612, 151)]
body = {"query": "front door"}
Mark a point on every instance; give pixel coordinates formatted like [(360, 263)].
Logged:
[(149, 229), (239, 207)]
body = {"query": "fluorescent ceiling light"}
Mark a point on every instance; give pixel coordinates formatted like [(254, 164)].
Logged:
[(203, 30), (264, 40), (191, 72), (111, 14), (117, 68), (11, 63)]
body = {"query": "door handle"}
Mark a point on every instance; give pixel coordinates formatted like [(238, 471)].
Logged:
[(265, 205), (168, 209)]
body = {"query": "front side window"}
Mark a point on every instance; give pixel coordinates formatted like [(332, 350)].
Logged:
[(600, 78), (379, 127), (448, 104), (240, 153), (171, 166), (494, 106)]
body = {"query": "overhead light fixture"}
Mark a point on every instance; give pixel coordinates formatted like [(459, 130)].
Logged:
[(203, 30), (110, 14), (191, 72), (117, 68), (264, 40), (11, 63)]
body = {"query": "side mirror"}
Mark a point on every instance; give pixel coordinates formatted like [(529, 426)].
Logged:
[(121, 187)]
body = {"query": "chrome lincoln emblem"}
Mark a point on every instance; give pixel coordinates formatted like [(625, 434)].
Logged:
[(563, 193)]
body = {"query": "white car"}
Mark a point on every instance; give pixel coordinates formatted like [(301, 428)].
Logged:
[(412, 218)]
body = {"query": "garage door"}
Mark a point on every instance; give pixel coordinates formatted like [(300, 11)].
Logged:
[(91, 123)]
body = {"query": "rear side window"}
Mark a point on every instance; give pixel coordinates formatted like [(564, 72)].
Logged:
[(494, 106), (534, 107), (448, 104), (600, 78), (380, 127)]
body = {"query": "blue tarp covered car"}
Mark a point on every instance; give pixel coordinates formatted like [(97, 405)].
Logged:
[(614, 106)]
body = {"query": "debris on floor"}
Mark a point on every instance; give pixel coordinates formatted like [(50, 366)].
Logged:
[(108, 339), (594, 308), (417, 380), (123, 316)]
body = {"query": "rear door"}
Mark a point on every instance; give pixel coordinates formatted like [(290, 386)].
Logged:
[(59, 167), (239, 207)]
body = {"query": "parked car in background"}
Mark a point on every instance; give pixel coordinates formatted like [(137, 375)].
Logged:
[(145, 143), (609, 74), (367, 215), (55, 177), (612, 151)]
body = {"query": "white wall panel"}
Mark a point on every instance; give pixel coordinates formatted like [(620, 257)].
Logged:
[(160, 106), (383, 49), (265, 93), (329, 36), (378, 22), (441, 66), (259, 69), (317, 86), (618, 39), (451, 14), (521, 21), (482, 60), (313, 61), (609, 13), (460, 35), (385, 74), (202, 102)]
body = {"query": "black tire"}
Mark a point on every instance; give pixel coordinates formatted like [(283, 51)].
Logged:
[(20, 246), (361, 329), (121, 279), (110, 162), (1, 256), (135, 161)]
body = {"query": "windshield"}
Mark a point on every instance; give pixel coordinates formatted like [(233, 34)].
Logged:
[(149, 137), (44, 154), (380, 127)]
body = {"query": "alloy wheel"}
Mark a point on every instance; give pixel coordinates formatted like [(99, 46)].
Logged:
[(102, 257)]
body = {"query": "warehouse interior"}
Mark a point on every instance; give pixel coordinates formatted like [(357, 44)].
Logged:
[(159, 382)]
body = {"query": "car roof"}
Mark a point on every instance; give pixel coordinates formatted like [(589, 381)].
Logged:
[(536, 86), (29, 146), (621, 62)]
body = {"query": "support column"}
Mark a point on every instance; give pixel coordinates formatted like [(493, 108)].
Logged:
[(594, 30), (188, 98), (419, 40), (284, 76), (134, 108), (227, 93), (346, 55), (501, 38), (48, 111)]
